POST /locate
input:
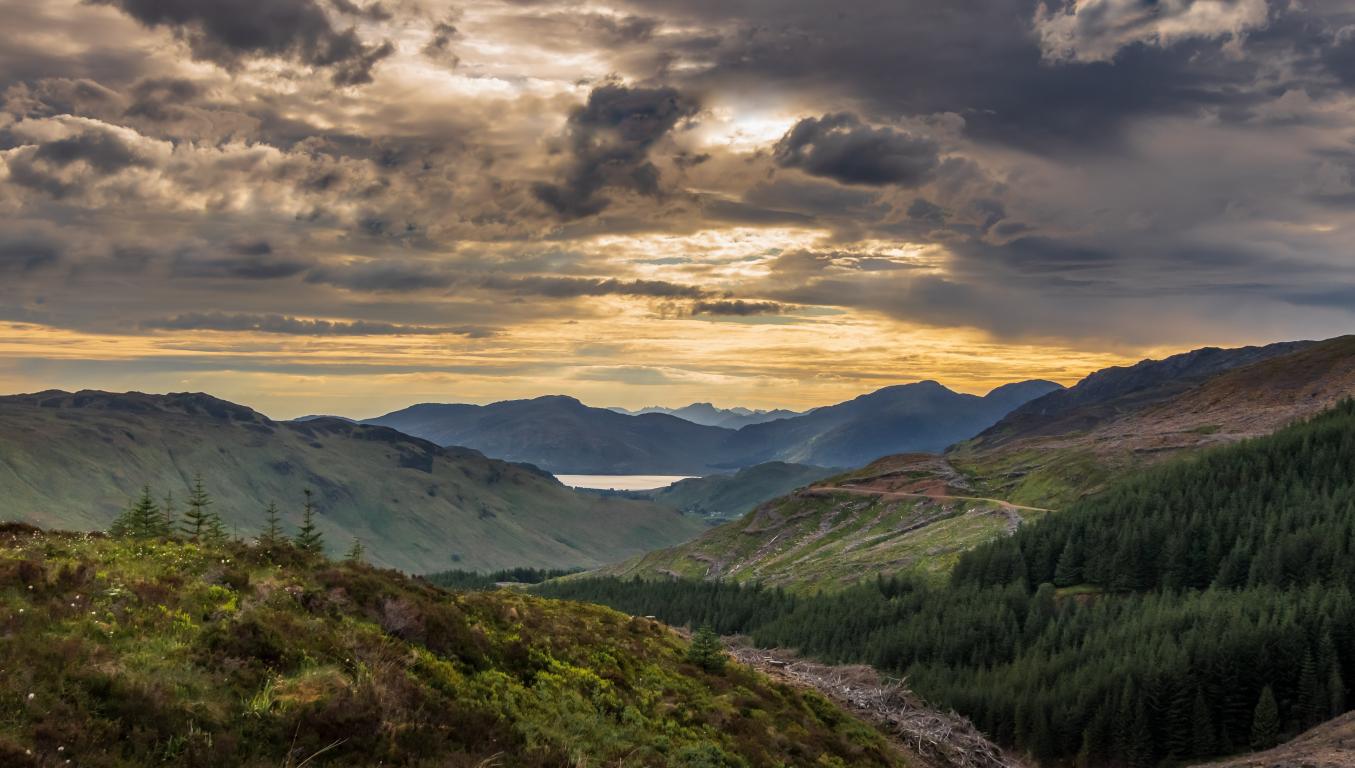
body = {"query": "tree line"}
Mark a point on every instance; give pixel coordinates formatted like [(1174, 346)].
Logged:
[(146, 518), (1199, 609)]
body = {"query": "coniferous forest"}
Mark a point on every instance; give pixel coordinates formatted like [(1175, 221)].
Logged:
[(1201, 608)]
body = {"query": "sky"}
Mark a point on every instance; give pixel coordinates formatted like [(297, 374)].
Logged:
[(347, 206)]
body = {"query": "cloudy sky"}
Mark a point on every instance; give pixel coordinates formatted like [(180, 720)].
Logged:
[(347, 205)]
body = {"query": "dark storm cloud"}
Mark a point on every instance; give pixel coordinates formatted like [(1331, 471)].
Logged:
[(1039, 256), (973, 163), (925, 210), (739, 212), (1337, 298), (295, 326), (841, 147), (816, 197), (736, 307), (161, 98), (387, 276), (572, 287), (610, 138), (439, 46), (224, 31), (247, 260), (27, 254), (374, 11), (976, 58), (101, 150), (52, 96), (394, 276), (60, 167), (1339, 57)]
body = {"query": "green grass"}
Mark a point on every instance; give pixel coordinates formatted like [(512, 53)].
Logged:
[(120, 654), (1052, 478), (830, 541)]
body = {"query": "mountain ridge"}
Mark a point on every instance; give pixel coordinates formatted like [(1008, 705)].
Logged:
[(414, 504), (1066, 444), (562, 435), (709, 415)]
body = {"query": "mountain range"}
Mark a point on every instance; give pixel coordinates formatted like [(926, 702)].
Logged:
[(917, 512), (74, 460), (710, 416), (1067, 444), (564, 436)]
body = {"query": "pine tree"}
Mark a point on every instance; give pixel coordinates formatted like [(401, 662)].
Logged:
[(1313, 700), (1141, 737), (706, 652), (271, 536), (1265, 727), (142, 520), (1336, 692), (1180, 724), (1202, 727), (169, 513), (308, 536), (1068, 572), (197, 519), (356, 552), (215, 530)]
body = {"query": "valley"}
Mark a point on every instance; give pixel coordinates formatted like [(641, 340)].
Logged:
[(413, 505), (883, 519), (1200, 504), (1233, 565), (677, 384)]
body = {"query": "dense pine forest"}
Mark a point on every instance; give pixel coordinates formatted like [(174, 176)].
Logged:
[(1202, 608)]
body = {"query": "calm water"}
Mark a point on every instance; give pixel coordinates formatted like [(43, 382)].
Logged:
[(620, 482)]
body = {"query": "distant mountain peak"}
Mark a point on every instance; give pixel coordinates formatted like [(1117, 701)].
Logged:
[(187, 403)]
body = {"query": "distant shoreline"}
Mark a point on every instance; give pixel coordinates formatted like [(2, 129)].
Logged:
[(621, 482)]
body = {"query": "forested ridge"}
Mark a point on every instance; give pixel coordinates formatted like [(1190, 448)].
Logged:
[(1202, 608)]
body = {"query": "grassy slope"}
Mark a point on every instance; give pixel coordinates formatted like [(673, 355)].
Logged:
[(829, 540), (1030, 461), (730, 496), (414, 505), (121, 654)]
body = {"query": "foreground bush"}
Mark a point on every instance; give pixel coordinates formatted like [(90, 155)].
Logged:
[(118, 652)]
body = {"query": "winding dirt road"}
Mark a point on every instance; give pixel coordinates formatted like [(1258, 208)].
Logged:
[(1007, 505)]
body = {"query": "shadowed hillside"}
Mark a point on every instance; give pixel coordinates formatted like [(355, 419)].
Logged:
[(567, 437), (1066, 444), (730, 496), (74, 460)]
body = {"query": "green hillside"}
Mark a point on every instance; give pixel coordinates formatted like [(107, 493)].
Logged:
[(167, 653), (1197, 609), (857, 525), (73, 461), (730, 496), (1061, 447)]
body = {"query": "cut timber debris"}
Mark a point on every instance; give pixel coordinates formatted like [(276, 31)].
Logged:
[(945, 739)]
